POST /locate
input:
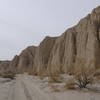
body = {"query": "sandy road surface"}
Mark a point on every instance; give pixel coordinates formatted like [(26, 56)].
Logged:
[(22, 89), (26, 87)]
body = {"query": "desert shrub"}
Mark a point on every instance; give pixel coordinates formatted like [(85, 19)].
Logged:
[(97, 75), (8, 74), (42, 72), (55, 88), (30, 72), (55, 79), (0, 74), (83, 79), (70, 84), (84, 75), (41, 77)]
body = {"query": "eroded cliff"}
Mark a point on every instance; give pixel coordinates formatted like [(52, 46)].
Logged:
[(62, 54)]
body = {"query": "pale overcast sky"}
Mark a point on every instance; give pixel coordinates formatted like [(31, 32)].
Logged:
[(27, 22)]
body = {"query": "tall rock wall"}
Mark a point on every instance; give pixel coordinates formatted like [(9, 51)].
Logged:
[(62, 54)]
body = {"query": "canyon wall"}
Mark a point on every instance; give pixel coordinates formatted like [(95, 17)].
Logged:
[(62, 54)]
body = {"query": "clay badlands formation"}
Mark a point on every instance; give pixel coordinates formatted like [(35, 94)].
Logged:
[(61, 54)]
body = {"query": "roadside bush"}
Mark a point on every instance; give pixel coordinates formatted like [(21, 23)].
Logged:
[(8, 74), (83, 79), (55, 88), (55, 79), (84, 75), (97, 75), (70, 84)]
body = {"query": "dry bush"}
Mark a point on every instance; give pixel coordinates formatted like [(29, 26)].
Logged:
[(55, 79), (42, 72), (31, 72), (97, 75), (98, 78), (83, 79), (84, 75), (8, 74), (41, 77), (55, 88), (70, 84), (0, 73)]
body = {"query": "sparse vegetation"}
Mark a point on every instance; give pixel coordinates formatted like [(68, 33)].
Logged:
[(55, 88), (70, 84), (8, 74), (55, 79), (42, 72), (83, 76), (97, 75), (30, 72), (83, 79)]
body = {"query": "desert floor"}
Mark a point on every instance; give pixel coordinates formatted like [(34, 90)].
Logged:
[(26, 87)]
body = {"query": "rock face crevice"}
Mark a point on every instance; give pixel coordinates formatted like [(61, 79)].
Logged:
[(61, 54)]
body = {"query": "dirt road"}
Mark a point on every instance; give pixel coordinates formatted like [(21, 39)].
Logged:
[(26, 87), (22, 89)]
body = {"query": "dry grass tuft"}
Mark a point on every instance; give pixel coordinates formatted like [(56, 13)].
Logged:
[(70, 84), (55, 79), (55, 88)]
